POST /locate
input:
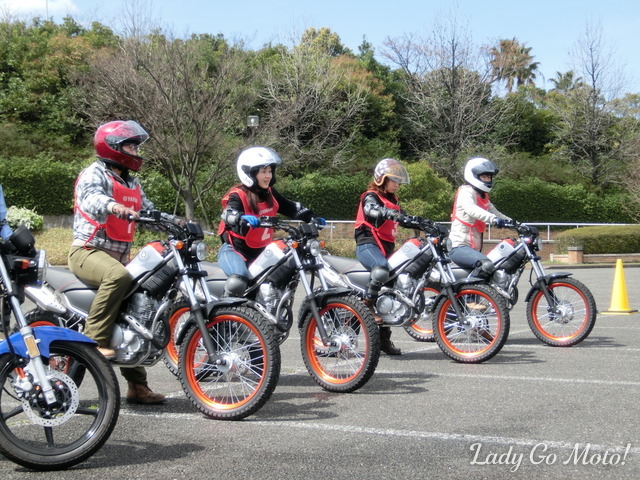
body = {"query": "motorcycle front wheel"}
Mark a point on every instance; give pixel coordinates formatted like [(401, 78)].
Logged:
[(482, 330), (44, 318), (246, 368), (422, 329), (568, 319), (54, 437), (349, 362)]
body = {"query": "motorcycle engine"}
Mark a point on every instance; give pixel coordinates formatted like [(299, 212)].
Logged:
[(501, 279), (269, 296), (128, 343), (391, 309)]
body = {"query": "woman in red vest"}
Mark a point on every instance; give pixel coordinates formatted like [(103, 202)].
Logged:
[(242, 238), (106, 197), (472, 210), (375, 232)]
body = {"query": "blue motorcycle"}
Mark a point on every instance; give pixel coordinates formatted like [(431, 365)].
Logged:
[(59, 398)]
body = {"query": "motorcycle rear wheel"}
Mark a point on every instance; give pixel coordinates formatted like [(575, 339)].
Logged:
[(246, 371), (349, 364), (569, 320), (54, 437), (483, 330), (422, 329)]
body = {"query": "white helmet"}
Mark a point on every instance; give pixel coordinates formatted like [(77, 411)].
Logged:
[(252, 159), (479, 166), (389, 167)]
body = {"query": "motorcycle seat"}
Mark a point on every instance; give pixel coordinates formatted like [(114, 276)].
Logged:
[(63, 280), (214, 272), (343, 264)]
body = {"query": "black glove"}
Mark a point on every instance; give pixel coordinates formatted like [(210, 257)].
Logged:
[(499, 222), (390, 214)]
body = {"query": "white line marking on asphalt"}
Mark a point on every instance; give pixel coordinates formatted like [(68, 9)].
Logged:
[(390, 432)]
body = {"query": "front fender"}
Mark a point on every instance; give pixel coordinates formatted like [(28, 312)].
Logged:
[(320, 295), (222, 302), (547, 279), (45, 335)]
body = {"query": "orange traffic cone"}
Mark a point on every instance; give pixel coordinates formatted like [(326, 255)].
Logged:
[(619, 300)]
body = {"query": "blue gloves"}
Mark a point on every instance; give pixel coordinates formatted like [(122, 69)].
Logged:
[(321, 222), (499, 222), (252, 220)]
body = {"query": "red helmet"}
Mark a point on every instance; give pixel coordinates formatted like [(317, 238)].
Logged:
[(110, 137)]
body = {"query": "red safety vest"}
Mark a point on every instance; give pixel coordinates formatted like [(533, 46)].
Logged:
[(479, 225), (388, 230), (255, 237), (116, 228)]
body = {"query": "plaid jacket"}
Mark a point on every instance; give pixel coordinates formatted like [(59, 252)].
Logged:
[(94, 195)]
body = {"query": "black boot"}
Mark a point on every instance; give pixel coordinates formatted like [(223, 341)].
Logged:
[(386, 345)]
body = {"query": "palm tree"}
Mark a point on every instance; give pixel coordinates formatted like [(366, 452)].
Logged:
[(513, 63)]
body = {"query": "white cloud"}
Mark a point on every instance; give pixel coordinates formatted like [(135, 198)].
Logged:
[(39, 7)]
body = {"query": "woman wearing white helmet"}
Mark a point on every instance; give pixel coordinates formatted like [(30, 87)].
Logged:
[(472, 210), (375, 232), (242, 238)]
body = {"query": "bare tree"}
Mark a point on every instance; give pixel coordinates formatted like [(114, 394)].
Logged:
[(591, 136), (448, 93), (314, 105), (188, 93)]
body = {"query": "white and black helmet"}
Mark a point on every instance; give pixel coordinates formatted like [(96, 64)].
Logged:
[(480, 166), (252, 159)]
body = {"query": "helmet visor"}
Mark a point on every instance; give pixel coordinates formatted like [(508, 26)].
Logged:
[(127, 132), (397, 173)]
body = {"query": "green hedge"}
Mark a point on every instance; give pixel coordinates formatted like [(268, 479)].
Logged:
[(40, 184), (601, 239), (46, 186), (533, 200)]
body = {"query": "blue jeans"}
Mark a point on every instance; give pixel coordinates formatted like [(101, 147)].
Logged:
[(370, 255), (232, 262), (466, 257)]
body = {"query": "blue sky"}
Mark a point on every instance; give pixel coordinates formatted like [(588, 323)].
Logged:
[(550, 28)]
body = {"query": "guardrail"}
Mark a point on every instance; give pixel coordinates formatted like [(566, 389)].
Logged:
[(344, 228)]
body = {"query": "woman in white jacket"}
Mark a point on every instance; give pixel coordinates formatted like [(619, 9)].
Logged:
[(472, 210)]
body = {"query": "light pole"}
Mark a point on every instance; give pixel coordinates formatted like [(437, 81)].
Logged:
[(253, 122)]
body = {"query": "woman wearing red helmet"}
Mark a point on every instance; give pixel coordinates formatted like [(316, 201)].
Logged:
[(106, 197), (375, 232)]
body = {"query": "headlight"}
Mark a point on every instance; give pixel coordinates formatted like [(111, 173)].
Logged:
[(447, 245), (537, 244), (314, 248), (199, 250)]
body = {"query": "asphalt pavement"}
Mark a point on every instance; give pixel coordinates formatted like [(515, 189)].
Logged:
[(533, 411)]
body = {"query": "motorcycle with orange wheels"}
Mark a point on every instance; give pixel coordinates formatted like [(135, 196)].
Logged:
[(561, 311), (470, 320), (339, 340), (230, 360), (59, 398)]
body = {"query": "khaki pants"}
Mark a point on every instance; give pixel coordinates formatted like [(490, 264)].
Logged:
[(100, 269)]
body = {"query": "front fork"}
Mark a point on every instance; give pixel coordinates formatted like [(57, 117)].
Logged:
[(311, 299)]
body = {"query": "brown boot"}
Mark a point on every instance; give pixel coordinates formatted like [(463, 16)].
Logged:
[(141, 394), (386, 345)]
